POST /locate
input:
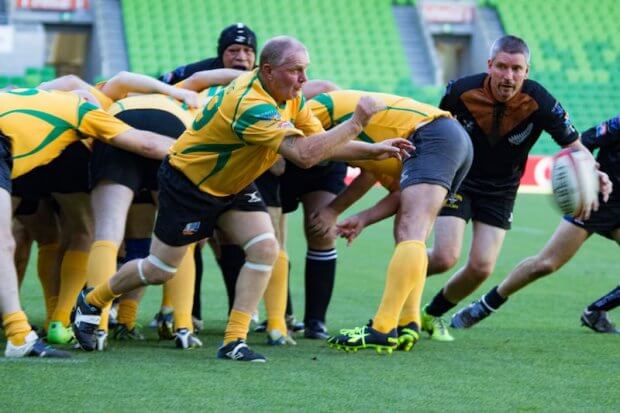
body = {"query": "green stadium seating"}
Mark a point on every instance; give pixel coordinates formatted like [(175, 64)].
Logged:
[(575, 47), (31, 78), (354, 44)]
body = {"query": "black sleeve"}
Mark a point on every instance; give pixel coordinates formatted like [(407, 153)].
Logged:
[(183, 72), (603, 134), (555, 119), (449, 99)]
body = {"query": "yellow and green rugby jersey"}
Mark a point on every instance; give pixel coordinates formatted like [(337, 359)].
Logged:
[(154, 101), (237, 136), (41, 124), (401, 117)]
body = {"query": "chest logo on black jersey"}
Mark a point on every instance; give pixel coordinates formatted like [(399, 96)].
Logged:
[(518, 138)]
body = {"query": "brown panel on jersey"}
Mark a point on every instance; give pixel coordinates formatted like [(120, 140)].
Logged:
[(480, 103)]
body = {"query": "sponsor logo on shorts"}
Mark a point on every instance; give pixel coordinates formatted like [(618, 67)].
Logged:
[(191, 228), (453, 201), (510, 218), (253, 197)]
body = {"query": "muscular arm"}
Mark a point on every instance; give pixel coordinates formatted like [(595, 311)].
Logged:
[(307, 152), (65, 83), (360, 185), (148, 144)]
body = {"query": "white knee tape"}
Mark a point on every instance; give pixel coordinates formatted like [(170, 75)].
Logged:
[(258, 238), (161, 265), (141, 273), (258, 267)]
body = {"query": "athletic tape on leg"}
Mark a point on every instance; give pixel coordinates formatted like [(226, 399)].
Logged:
[(161, 265), (258, 267), (141, 273), (259, 238)]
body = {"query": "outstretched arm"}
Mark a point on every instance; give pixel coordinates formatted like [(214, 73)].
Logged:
[(199, 81), (351, 227), (124, 83)]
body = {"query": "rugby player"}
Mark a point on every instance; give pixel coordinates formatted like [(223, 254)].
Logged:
[(35, 127), (207, 181), (568, 238), (442, 157), (504, 114)]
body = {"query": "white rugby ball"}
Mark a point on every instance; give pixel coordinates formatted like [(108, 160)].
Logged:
[(574, 180)]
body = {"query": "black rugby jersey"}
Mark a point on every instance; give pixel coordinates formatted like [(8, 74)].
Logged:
[(606, 137), (504, 132)]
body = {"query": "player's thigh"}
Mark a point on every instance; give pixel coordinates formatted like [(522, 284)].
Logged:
[(77, 210), (6, 236), (44, 225), (170, 255), (242, 226), (275, 215), (449, 233), (563, 244), (140, 220), (486, 244), (419, 206)]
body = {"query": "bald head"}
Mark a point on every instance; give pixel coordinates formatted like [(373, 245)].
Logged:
[(277, 49), (282, 67)]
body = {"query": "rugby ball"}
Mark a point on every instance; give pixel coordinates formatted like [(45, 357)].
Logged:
[(574, 181)]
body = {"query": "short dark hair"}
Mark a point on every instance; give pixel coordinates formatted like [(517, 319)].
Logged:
[(510, 44)]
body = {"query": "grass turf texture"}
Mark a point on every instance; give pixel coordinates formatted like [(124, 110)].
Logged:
[(532, 356)]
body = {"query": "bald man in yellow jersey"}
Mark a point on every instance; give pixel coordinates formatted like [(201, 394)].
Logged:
[(207, 181), (442, 157), (35, 127)]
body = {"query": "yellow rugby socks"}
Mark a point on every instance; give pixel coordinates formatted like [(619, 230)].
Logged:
[(47, 257), (276, 294), (101, 296), (180, 290), (237, 327), (128, 312), (407, 268), (101, 267), (16, 327), (72, 279)]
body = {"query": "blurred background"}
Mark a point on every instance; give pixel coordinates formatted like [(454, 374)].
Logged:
[(407, 47)]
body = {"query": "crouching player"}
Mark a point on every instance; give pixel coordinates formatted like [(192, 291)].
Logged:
[(442, 157), (569, 236)]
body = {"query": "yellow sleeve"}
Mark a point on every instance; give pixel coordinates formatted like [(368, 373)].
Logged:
[(103, 99), (307, 121), (98, 124), (262, 125)]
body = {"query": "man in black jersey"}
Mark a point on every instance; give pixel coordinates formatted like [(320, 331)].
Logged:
[(565, 242), (504, 113), (236, 49)]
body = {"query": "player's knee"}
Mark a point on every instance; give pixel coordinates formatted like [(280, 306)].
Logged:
[(153, 271), (545, 266), (480, 270), (262, 249), (442, 261)]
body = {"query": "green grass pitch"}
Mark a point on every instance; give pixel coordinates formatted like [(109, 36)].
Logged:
[(532, 356)]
